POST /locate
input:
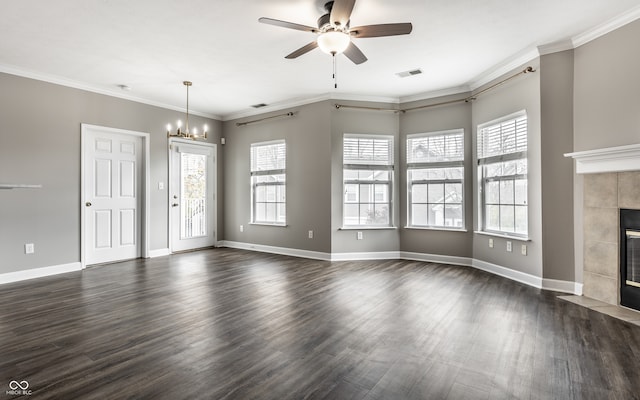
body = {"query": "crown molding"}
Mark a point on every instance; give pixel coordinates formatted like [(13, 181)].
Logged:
[(275, 107), (436, 93), (57, 80), (504, 68), (609, 26), (555, 47), (309, 100)]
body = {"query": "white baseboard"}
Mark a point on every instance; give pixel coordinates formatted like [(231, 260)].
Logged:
[(522, 277), (562, 286), (39, 272), (159, 253), (528, 279), (436, 258), (362, 256), (508, 273), (314, 255)]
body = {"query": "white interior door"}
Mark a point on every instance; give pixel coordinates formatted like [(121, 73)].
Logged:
[(192, 195), (112, 194)]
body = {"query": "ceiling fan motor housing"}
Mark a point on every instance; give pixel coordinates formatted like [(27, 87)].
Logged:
[(324, 20)]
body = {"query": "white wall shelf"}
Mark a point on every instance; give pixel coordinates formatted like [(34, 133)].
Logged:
[(18, 186)]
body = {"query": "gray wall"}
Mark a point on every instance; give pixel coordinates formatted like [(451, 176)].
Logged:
[(347, 120), (606, 90), (521, 93), (556, 91), (439, 118), (308, 140), (40, 144)]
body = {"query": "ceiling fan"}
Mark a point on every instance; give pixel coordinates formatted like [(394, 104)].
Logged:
[(334, 32)]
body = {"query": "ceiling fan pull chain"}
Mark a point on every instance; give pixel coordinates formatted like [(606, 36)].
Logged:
[(335, 72)]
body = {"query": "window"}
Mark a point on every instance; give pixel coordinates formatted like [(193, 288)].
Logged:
[(435, 176), (502, 170), (368, 177), (268, 183)]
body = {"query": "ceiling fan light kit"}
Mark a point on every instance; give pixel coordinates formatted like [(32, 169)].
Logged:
[(333, 42)]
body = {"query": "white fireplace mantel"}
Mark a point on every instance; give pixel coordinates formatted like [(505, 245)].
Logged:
[(611, 159)]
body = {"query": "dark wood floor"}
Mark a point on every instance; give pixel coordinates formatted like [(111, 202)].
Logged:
[(230, 324)]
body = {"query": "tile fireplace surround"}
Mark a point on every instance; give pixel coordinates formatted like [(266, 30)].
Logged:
[(611, 182), (604, 195)]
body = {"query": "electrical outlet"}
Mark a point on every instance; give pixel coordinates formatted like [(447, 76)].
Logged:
[(160, 185), (523, 249), (359, 235), (509, 248), (29, 248), (241, 228), (310, 234), (491, 243)]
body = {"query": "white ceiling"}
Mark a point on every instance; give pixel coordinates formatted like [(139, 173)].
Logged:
[(234, 61)]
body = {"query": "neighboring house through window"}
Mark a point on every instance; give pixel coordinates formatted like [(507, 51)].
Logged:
[(367, 179), (435, 177), (502, 171), (268, 183)]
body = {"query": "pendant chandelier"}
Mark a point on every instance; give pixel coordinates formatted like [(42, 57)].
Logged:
[(186, 133)]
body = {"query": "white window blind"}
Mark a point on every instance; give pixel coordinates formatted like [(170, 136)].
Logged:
[(505, 137), (269, 156), (437, 147), (360, 150)]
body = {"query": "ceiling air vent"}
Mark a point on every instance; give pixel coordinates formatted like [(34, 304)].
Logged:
[(260, 105), (409, 73)]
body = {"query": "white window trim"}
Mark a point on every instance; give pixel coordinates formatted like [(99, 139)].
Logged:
[(389, 167), (428, 165), (280, 171), (504, 157)]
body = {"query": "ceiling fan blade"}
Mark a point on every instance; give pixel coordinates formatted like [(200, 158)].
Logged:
[(354, 54), (367, 31), (341, 12), (285, 24), (302, 50)]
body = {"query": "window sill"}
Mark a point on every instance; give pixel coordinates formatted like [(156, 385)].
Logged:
[(435, 228), (504, 236), (367, 228), (268, 224)]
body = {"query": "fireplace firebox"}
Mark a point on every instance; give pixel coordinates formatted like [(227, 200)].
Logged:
[(630, 258)]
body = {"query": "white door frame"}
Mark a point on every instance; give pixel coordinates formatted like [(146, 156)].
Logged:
[(145, 186), (214, 176)]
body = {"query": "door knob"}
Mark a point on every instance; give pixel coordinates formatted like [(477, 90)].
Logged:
[(88, 204), (174, 205)]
